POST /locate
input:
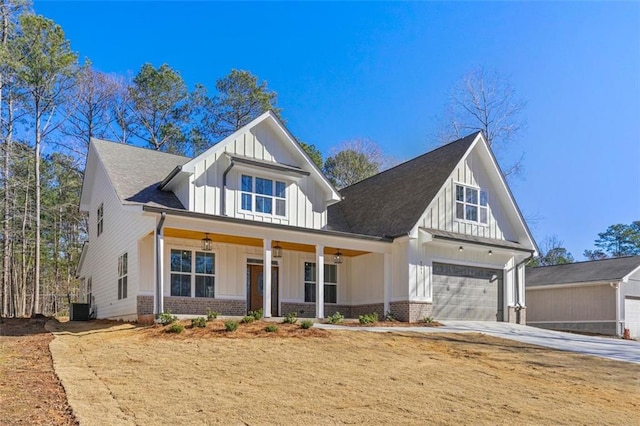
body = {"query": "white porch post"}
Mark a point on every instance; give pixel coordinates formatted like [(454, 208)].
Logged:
[(159, 274), (266, 288), (320, 282), (387, 283)]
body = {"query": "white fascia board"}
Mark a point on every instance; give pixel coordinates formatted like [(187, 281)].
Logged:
[(568, 285), (626, 277)]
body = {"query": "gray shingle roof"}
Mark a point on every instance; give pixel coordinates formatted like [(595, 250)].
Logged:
[(582, 272), (390, 203), (136, 173)]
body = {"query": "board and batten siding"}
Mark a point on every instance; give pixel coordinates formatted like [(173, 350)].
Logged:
[(366, 279), (440, 213), (306, 199), (571, 304), (122, 230)]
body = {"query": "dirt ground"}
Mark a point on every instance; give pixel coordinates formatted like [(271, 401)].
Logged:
[(120, 374), (30, 392)]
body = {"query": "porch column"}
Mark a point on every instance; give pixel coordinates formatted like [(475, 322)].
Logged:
[(266, 287), (387, 283), (158, 306), (320, 282)]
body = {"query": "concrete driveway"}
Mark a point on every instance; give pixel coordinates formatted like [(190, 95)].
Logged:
[(617, 349)]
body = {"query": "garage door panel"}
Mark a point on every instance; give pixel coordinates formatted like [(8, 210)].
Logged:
[(465, 292), (632, 316)]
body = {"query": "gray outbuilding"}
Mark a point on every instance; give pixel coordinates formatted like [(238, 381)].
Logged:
[(600, 296)]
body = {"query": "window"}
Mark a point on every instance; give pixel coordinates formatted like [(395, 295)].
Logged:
[(472, 204), (89, 290), (330, 283), (262, 195), (122, 276), (100, 219), (192, 269)]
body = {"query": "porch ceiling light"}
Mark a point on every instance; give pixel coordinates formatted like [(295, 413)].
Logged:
[(207, 243), (460, 249), (337, 257), (490, 252), (277, 251)]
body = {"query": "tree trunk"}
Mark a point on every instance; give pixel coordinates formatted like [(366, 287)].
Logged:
[(36, 166)]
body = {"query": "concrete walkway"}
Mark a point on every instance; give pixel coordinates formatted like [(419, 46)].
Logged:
[(616, 349)]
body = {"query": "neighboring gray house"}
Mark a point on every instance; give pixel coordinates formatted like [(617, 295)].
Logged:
[(252, 223), (600, 296)]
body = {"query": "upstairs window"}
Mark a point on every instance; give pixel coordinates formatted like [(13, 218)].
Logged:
[(262, 195), (100, 218), (472, 204)]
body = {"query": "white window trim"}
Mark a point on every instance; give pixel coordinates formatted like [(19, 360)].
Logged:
[(192, 274), (100, 220), (119, 291), (464, 203), (253, 175), (337, 283)]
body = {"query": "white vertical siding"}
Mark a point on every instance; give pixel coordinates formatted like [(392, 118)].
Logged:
[(123, 227), (306, 199), (440, 214), (366, 279)]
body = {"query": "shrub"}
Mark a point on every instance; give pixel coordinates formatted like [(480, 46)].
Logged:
[(271, 328), (257, 315), (230, 325), (200, 322), (290, 318), (211, 315), (306, 324), (427, 320), (336, 318), (248, 319), (368, 318), (166, 318), (388, 317), (175, 327)]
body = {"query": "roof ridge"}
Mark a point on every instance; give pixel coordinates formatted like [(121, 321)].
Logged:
[(106, 141), (413, 159), (586, 261)]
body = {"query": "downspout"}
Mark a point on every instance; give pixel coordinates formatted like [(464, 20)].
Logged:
[(517, 289), (159, 290), (619, 328), (223, 210)]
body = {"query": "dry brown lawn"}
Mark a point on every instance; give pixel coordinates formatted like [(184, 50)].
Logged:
[(120, 374)]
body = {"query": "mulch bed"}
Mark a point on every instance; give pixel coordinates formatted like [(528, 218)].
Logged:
[(393, 324), (30, 391), (216, 329)]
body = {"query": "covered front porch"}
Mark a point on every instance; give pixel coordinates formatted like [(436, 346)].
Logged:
[(193, 262)]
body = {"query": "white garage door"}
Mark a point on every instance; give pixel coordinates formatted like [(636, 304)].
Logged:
[(467, 293), (632, 316)]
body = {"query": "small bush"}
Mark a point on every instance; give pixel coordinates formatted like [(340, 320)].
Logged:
[(257, 315), (200, 322), (211, 315), (368, 318), (175, 327), (248, 319), (230, 325), (336, 318), (290, 318), (388, 317), (166, 318), (427, 320), (271, 328), (306, 324)]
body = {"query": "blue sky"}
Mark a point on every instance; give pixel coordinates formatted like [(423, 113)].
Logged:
[(383, 71)]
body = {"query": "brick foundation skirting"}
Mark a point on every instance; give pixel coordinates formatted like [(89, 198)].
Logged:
[(411, 311), (193, 306)]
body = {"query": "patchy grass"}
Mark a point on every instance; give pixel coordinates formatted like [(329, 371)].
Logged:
[(256, 377)]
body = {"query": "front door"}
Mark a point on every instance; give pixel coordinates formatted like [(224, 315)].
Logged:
[(256, 288)]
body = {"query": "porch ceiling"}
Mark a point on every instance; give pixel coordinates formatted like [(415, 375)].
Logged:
[(255, 242)]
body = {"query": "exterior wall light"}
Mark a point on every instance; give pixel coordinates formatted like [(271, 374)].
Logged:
[(277, 251), (337, 257), (460, 248), (490, 252), (207, 243)]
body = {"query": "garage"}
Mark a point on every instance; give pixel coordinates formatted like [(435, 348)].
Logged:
[(632, 316), (469, 293)]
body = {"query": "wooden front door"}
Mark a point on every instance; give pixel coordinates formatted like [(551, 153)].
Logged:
[(256, 286)]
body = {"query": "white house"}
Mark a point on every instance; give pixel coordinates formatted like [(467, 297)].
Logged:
[(600, 296), (252, 223)]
